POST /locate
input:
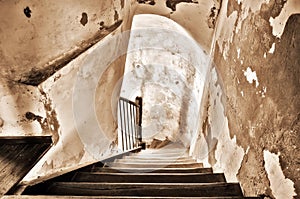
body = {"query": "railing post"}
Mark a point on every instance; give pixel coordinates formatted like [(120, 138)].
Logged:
[(139, 102)]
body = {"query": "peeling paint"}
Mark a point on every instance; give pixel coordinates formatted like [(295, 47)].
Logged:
[(272, 49), (225, 34), (17, 100), (251, 76), (263, 92), (238, 53), (278, 23), (226, 149), (79, 144), (282, 188)]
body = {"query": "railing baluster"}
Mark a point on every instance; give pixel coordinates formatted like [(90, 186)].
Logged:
[(130, 123), (132, 127), (121, 123), (124, 132)]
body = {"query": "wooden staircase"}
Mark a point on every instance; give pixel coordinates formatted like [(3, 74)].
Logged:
[(152, 173)]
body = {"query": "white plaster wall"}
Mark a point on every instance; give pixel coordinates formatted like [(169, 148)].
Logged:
[(167, 68), (191, 16), (281, 186), (81, 94)]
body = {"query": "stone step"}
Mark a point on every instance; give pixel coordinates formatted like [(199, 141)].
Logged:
[(153, 165), (149, 170), (148, 177), (145, 189)]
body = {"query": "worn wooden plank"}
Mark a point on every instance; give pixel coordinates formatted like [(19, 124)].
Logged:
[(25, 140), (114, 197), (145, 189), (154, 165), (147, 170), (149, 177), (18, 159), (150, 161)]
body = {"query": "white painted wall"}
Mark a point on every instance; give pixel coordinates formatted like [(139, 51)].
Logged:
[(167, 67)]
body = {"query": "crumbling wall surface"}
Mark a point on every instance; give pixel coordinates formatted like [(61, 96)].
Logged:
[(21, 110), (81, 106), (251, 129)]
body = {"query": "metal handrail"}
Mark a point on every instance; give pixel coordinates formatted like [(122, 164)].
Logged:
[(130, 123)]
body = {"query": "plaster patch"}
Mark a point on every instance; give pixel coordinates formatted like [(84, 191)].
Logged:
[(224, 35), (272, 49), (281, 187), (278, 23), (247, 150), (229, 155), (265, 55), (248, 6), (242, 93), (238, 53), (263, 92), (251, 76)]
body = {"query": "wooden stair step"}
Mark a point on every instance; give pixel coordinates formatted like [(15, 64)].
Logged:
[(153, 155), (145, 189), (114, 197), (148, 177), (154, 165), (156, 158), (149, 161), (149, 170), (163, 152)]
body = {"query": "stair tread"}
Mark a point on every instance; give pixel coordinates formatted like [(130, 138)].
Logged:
[(154, 165), (160, 155), (156, 158), (154, 161), (149, 177), (155, 170), (114, 197), (145, 189)]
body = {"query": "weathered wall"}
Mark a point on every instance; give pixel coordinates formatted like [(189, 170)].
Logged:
[(38, 38), (21, 110), (251, 129), (250, 124), (80, 96), (169, 72)]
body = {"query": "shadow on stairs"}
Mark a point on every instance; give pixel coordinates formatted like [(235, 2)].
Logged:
[(153, 173)]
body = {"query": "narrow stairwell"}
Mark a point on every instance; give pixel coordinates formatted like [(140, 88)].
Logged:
[(152, 173)]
